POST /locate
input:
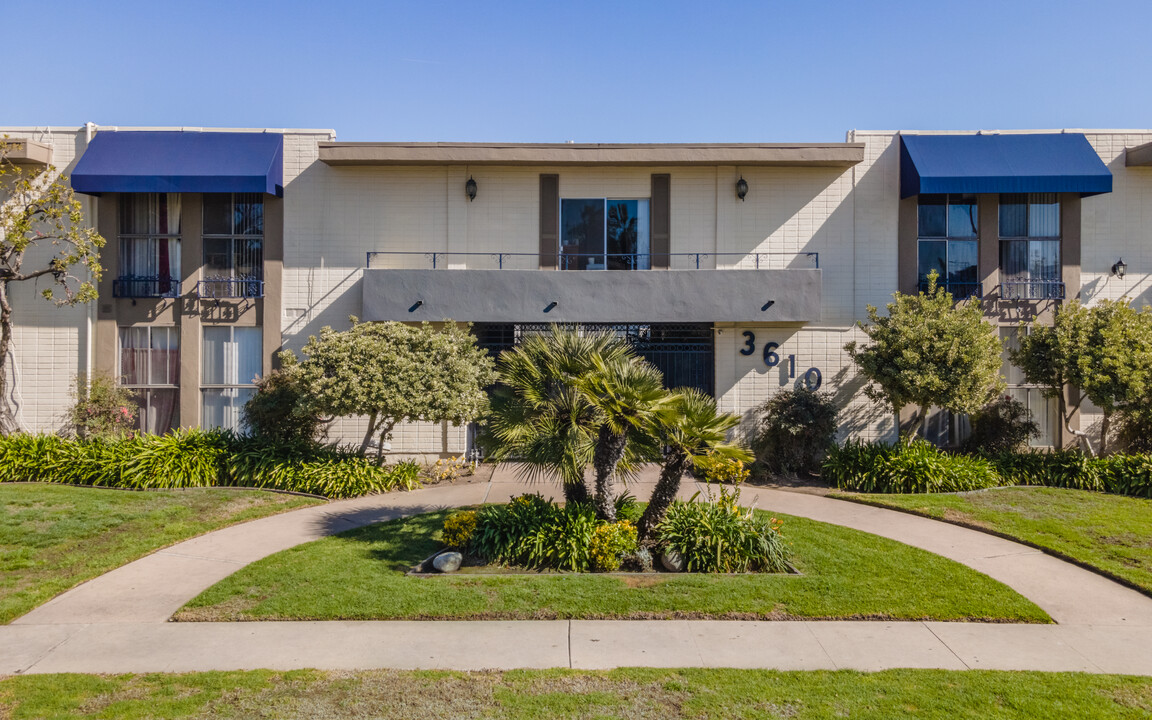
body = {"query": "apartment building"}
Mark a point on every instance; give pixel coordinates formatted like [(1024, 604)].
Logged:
[(739, 269)]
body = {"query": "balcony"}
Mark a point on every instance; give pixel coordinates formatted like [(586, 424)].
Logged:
[(959, 290), (1032, 290), (143, 286), (511, 287), (238, 287)]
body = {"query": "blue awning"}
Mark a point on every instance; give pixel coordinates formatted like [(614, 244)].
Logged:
[(1063, 162), (196, 162)]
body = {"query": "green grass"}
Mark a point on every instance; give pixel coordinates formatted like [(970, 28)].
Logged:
[(359, 575), (55, 537), (637, 694), (1110, 532)]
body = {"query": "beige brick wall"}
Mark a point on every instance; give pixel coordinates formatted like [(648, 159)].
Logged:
[(48, 342)]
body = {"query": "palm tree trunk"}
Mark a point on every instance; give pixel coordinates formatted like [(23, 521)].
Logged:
[(609, 450), (663, 495), (575, 492)]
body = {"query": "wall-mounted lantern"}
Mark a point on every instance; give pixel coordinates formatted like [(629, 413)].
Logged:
[(741, 188), (1119, 268), (470, 189)]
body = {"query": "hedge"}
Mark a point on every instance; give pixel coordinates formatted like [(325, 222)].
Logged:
[(195, 458)]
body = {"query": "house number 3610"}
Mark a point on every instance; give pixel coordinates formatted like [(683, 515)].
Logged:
[(811, 377)]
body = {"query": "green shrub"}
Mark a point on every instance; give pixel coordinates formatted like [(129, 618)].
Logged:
[(532, 532), (1059, 468), (718, 536), (180, 459), (721, 470), (1003, 425), (906, 468), (1129, 475), (793, 431), (101, 408), (610, 542), (458, 529), (281, 410), (627, 508), (29, 458)]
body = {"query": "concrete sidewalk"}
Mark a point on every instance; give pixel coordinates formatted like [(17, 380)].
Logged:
[(117, 622)]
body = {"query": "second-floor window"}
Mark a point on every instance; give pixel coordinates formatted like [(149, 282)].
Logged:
[(1030, 246), (947, 228), (149, 246), (604, 234), (233, 245)]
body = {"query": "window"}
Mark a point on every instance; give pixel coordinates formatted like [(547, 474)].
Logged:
[(233, 245), (1030, 247), (150, 366), (947, 227), (149, 246), (599, 234), (232, 358), (1045, 411)]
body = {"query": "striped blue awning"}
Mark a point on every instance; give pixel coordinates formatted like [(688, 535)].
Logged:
[(197, 162), (1017, 163)]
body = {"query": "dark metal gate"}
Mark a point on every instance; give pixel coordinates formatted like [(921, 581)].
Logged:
[(684, 352)]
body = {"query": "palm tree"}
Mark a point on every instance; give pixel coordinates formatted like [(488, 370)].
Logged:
[(690, 428), (628, 394), (541, 415)]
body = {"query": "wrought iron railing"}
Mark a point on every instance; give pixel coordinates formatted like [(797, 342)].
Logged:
[(959, 290), (410, 260), (238, 287), (145, 286), (1032, 290)]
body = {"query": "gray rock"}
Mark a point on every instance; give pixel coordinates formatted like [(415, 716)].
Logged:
[(672, 561), (447, 562)]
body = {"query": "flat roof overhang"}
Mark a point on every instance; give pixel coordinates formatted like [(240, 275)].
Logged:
[(27, 152), (838, 155), (1139, 156)]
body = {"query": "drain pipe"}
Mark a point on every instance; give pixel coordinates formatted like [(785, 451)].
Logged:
[(90, 210)]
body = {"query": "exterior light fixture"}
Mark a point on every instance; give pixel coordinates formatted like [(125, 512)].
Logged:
[(551, 306), (767, 305), (741, 188), (416, 306), (470, 189), (1119, 268)]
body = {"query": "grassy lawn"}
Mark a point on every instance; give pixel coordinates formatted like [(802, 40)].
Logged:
[(359, 575), (1109, 532), (637, 694), (54, 537)]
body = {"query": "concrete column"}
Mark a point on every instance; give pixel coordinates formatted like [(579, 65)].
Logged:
[(907, 250), (107, 343), (191, 261), (988, 259), (273, 280)]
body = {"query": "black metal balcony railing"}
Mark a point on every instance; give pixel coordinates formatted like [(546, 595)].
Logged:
[(238, 287), (142, 286), (959, 290), (1032, 290), (410, 260)]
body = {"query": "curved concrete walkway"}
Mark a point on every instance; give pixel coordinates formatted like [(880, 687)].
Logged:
[(118, 622)]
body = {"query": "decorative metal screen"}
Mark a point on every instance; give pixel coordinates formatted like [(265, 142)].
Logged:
[(684, 352)]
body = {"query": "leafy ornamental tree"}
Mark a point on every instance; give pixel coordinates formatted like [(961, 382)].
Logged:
[(1105, 351), (929, 351), (392, 372), (690, 429), (281, 410), (42, 238)]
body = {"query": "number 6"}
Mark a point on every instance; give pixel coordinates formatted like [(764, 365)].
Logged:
[(771, 359)]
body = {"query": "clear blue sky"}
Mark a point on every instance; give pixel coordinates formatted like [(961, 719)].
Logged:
[(549, 71)]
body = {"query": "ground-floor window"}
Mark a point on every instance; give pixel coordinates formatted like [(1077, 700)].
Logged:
[(684, 352), (232, 359), (150, 367), (1045, 411)]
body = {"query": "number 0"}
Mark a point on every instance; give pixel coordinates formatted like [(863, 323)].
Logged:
[(812, 379)]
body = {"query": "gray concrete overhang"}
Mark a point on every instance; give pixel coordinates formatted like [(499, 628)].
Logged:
[(610, 296), (1139, 156), (27, 152), (572, 154)]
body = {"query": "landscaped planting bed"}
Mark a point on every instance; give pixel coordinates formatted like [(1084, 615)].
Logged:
[(635, 693), (53, 538), (361, 575)]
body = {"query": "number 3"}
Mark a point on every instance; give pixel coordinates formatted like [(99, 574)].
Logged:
[(749, 344)]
